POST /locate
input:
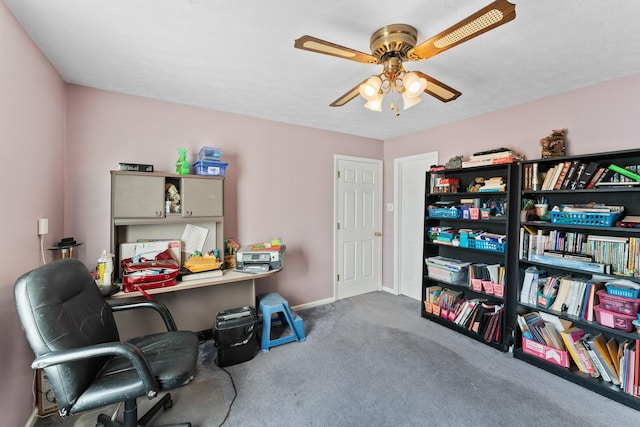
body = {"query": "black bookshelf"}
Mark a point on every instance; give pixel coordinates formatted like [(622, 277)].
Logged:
[(505, 224), (629, 197)]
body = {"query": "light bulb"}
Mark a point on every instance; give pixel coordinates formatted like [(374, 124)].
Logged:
[(369, 89), (375, 104), (413, 84)]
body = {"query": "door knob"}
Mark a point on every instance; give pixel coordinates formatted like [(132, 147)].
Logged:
[(377, 234)]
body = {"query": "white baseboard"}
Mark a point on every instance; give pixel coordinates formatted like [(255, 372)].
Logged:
[(313, 304), (390, 290), (32, 419)]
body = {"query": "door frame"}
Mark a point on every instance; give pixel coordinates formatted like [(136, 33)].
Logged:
[(336, 159), (431, 156)]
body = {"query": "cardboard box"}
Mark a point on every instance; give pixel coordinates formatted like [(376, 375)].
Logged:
[(550, 354)]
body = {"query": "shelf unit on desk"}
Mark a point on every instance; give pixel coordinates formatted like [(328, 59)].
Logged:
[(138, 209)]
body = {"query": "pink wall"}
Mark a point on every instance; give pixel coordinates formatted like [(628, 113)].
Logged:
[(32, 126), (279, 181), (603, 117)]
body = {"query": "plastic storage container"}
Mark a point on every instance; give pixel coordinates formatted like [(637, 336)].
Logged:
[(210, 153), (210, 167), (618, 304), (611, 319), (235, 335)]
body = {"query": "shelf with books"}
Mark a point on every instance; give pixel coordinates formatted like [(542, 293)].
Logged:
[(471, 226), (564, 262), (480, 318)]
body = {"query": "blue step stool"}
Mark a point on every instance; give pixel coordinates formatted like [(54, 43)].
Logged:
[(273, 303)]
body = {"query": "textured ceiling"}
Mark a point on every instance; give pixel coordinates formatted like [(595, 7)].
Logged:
[(238, 56)]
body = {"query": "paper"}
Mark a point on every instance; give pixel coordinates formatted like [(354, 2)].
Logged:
[(194, 238)]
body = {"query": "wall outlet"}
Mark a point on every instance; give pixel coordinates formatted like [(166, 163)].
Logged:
[(43, 226)]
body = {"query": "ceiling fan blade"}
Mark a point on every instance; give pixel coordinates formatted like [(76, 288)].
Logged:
[(348, 96), (322, 46), (497, 13), (439, 90)]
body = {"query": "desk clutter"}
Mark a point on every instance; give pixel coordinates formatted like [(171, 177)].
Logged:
[(209, 162), (158, 263)]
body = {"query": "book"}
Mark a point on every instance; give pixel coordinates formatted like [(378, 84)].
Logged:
[(600, 346), (561, 297), (607, 176), (596, 177), (612, 348), (588, 345), (491, 154), (491, 161), (563, 173), (571, 174), (535, 177), (556, 174), (571, 337), (586, 175), (188, 276), (529, 288), (576, 177), (630, 221), (547, 177), (593, 267)]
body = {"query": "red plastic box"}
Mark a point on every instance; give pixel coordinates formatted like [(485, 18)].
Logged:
[(611, 319), (618, 304)]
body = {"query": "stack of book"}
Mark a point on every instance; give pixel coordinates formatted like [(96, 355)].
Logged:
[(493, 185), (481, 317), (492, 157), (445, 185)]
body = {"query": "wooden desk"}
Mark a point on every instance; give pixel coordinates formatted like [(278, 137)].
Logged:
[(193, 304)]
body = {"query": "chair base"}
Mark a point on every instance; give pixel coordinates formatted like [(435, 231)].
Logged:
[(131, 414)]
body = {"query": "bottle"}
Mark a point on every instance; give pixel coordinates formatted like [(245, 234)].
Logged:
[(100, 268), (107, 280), (182, 166)]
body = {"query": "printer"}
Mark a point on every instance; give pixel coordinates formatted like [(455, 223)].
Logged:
[(257, 259)]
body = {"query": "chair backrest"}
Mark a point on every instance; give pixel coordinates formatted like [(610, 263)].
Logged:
[(60, 308)]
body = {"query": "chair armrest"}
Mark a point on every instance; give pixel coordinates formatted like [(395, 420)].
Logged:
[(158, 307), (124, 349)]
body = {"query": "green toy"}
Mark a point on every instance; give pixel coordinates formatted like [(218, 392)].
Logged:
[(182, 166)]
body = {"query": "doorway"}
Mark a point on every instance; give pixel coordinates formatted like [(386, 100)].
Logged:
[(358, 226), (409, 188)]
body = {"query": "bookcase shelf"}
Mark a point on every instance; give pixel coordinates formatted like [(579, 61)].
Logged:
[(574, 375), (629, 197), (504, 224)]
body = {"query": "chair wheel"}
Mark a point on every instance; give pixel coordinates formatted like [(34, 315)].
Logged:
[(168, 404)]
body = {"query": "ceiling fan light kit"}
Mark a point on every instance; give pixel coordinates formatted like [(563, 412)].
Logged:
[(395, 44)]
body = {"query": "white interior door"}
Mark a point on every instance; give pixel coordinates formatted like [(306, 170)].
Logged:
[(410, 173), (358, 226)]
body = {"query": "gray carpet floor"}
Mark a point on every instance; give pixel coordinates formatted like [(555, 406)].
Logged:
[(371, 360)]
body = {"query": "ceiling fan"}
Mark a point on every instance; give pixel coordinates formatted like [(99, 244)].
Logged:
[(395, 44)]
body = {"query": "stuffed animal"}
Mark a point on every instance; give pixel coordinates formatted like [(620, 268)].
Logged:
[(454, 162), (173, 196), (554, 144), (476, 184)]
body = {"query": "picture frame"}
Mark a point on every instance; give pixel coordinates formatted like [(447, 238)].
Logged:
[(45, 398)]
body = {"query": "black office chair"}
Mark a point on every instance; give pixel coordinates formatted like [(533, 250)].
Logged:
[(72, 331)]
